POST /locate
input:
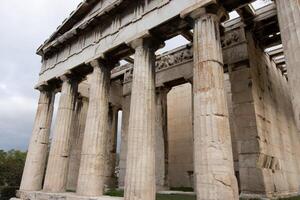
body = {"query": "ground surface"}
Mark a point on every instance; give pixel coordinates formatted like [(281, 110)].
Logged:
[(119, 193), (175, 197)]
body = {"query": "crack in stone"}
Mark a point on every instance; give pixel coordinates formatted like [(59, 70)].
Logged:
[(222, 181)]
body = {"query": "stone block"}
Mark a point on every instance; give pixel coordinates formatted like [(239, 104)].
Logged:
[(252, 180), (248, 146)]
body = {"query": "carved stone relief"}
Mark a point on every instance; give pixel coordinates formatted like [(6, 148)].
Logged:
[(174, 58)]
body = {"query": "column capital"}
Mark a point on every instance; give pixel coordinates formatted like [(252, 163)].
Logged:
[(104, 61), (205, 8), (69, 76), (145, 39), (44, 86)]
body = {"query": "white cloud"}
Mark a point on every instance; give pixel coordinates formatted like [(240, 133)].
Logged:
[(24, 26), (3, 87)]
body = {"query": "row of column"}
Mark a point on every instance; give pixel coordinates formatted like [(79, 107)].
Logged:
[(212, 149), (93, 153), (214, 171)]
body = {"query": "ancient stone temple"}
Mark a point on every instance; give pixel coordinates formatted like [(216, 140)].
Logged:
[(220, 114)]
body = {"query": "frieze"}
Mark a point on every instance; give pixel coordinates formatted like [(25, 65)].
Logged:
[(171, 59), (234, 50), (128, 75), (174, 58), (233, 37), (234, 45)]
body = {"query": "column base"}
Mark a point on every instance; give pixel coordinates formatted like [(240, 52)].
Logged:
[(40, 195)]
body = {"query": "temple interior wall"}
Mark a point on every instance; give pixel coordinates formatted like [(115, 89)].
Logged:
[(266, 132), (180, 136)]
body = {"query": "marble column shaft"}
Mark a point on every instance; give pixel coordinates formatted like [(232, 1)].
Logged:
[(58, 162), (76, 142), (140, 166), (161, 146), (111, 148), (213, 161), (91, 173), (289, 21), (35, 165), (124, 140)]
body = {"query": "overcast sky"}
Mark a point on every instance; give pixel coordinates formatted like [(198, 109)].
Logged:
[(24, 25)]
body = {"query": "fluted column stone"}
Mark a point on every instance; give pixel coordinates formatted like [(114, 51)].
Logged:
[(161, 139), (140, 166), (124, 140), (35, 164), (289, 22), (213, 160), (91, 173), (76, 142), (58, 162), (111, 148)]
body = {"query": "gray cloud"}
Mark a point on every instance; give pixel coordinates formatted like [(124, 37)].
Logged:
[(24, 26)]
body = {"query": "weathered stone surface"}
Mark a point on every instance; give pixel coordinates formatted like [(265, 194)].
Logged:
[(180, 136), (265, 137), (91, 172), (289, 21), (137, 18), (34, 169), (213, 162), (76, 142), (161, 140), (266, 133), (60, 196), (111, 147), (140, 166), (124, 140), (58, 162)]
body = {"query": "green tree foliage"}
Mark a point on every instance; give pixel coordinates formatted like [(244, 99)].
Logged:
[(11, 167)]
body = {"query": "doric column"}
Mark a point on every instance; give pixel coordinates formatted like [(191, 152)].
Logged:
[(111, 148), (140, 166), (289, 21), (213, 161), (161, 139), (57, 168), (124, 139), (76, 142), (34, 169), (91, 173)]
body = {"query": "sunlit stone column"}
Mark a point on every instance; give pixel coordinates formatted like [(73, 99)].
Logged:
[(124, 140), (34, 169), (161, 139), (213, 160), (140, 167), (91, 173), (76, 142), (57, 168), (289, 21)]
